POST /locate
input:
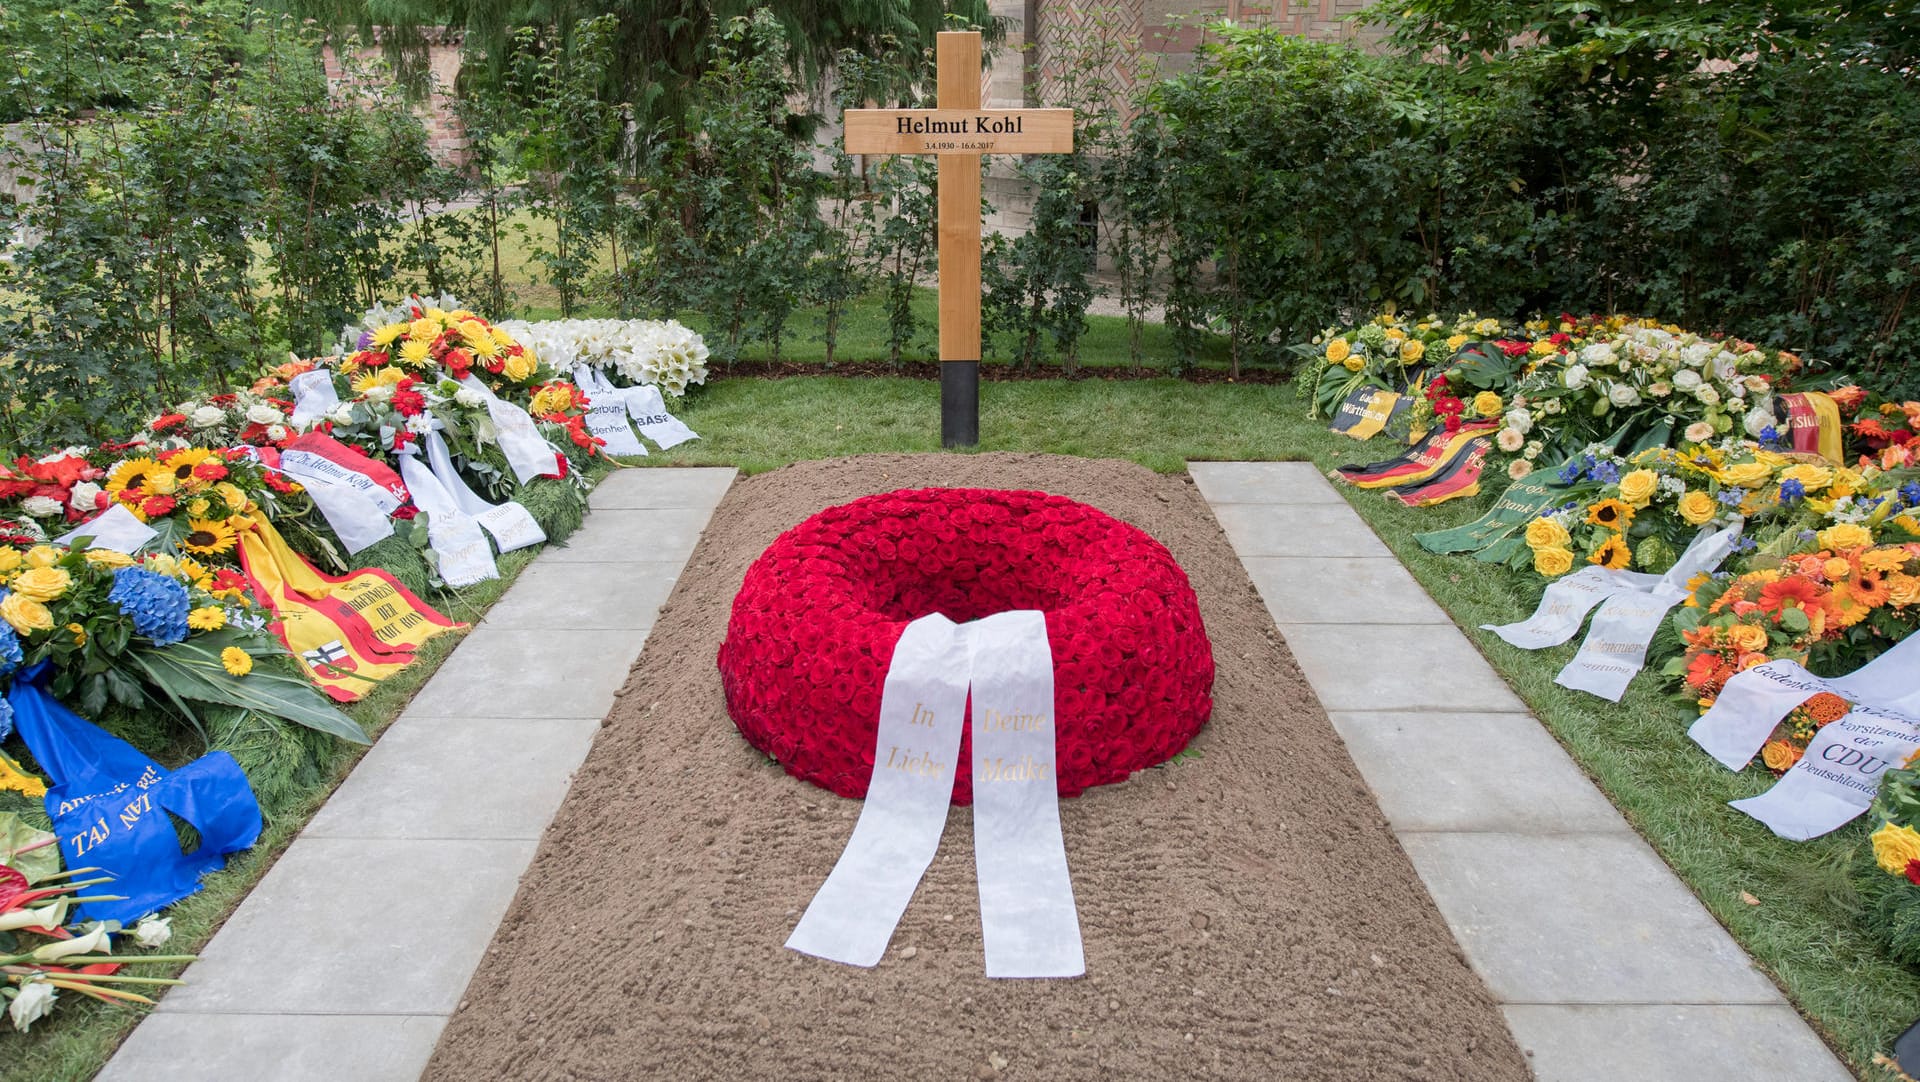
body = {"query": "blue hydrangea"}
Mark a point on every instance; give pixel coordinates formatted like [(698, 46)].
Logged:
[(1732, 497), (1606, 473), (6, 719), (156, 603), (1792, 491), (10, 654)]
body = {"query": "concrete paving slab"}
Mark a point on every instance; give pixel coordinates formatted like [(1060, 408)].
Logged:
[(555, 596), (1456, 772), (1388, 667), (666, 535), (1341, 590), (285, 1048), (1659, 1042), (458, 778), (357, 926), (503, 673), (1262, 482), (1581, 918), (1298, 529), (654, 486)]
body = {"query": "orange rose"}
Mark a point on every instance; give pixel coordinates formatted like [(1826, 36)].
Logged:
[(1747, 638)]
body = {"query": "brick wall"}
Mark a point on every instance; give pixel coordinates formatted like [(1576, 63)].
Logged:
[(446, 136)]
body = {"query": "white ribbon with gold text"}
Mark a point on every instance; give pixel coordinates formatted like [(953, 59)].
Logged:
[(922, 708), (1754, 701), (1028, 922), (1838, 776)]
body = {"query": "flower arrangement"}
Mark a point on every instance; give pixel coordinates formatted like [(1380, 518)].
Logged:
[(660, 353), (1886, 871), (816, 620), (235, 418), (1388, 351)]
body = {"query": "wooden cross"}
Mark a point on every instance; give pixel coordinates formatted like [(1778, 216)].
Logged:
[(957, 134)]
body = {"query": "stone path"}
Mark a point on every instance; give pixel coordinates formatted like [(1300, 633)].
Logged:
[(346, 960), (1604, 963)]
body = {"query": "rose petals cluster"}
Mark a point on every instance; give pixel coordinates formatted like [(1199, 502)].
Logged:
[(816, 620)]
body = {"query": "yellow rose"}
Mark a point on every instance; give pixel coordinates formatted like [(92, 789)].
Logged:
[(42, 556), (1846, 482), (1337, 350), (1747, 637), (233, 497), (109, 558), (1546, 533), (25, 614), (1895, 847), (79, 634), (1354, 363), (42, 583), (425, 329), (1637, 487), (1903, 590), (1553, 562), (1836, 569), (163, 482), (1412, 350), (520, 367), (10, 558), (1698, 508), (1812, 478), (1395, 334), (1845, 537), (1746, 474), (1487, 404), (1455, 342)]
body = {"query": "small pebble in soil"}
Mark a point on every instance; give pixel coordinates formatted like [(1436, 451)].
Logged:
[(909, 952)]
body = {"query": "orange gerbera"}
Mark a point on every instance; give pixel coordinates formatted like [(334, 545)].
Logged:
[(1885, 559), (1869, 588), (1612, 554), (1611, 513), (1847, 607), (1708, 671), (1826, 707), (1804, 592)]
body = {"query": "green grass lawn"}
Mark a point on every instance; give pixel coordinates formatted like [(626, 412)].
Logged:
[(1802, 930)]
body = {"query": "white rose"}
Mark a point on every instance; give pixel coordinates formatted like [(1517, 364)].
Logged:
[(1575, 377), (1509, 440), (262, 414), (470, 398), (1686, 380), (1599, 355), (1696, 354), (1623, 395), (1519, 420), (1758, 420), (208, 416), (85, 497), (152, 932), (1698, 432), (341, 415), (32, 1004), (1707, 395), (379, 392), (40, 506)]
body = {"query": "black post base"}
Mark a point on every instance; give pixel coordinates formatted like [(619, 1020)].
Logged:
[(959, 403)]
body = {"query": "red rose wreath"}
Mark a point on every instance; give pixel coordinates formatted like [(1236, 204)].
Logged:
[(815, 623)]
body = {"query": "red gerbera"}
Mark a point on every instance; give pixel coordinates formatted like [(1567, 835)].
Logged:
[(1777, 593), (169, 421)]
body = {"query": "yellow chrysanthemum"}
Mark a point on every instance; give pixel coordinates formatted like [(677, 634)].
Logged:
[(133, 474), (236, 661), (1894, 847), (208, 537), (388, 334), (207, 618), (500, 337), (368, 380), (416, 352)]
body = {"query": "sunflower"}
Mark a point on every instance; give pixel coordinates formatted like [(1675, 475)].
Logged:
[(182, 464), (1611, 513), (207, 537), (1613, 554), (133, 475)]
